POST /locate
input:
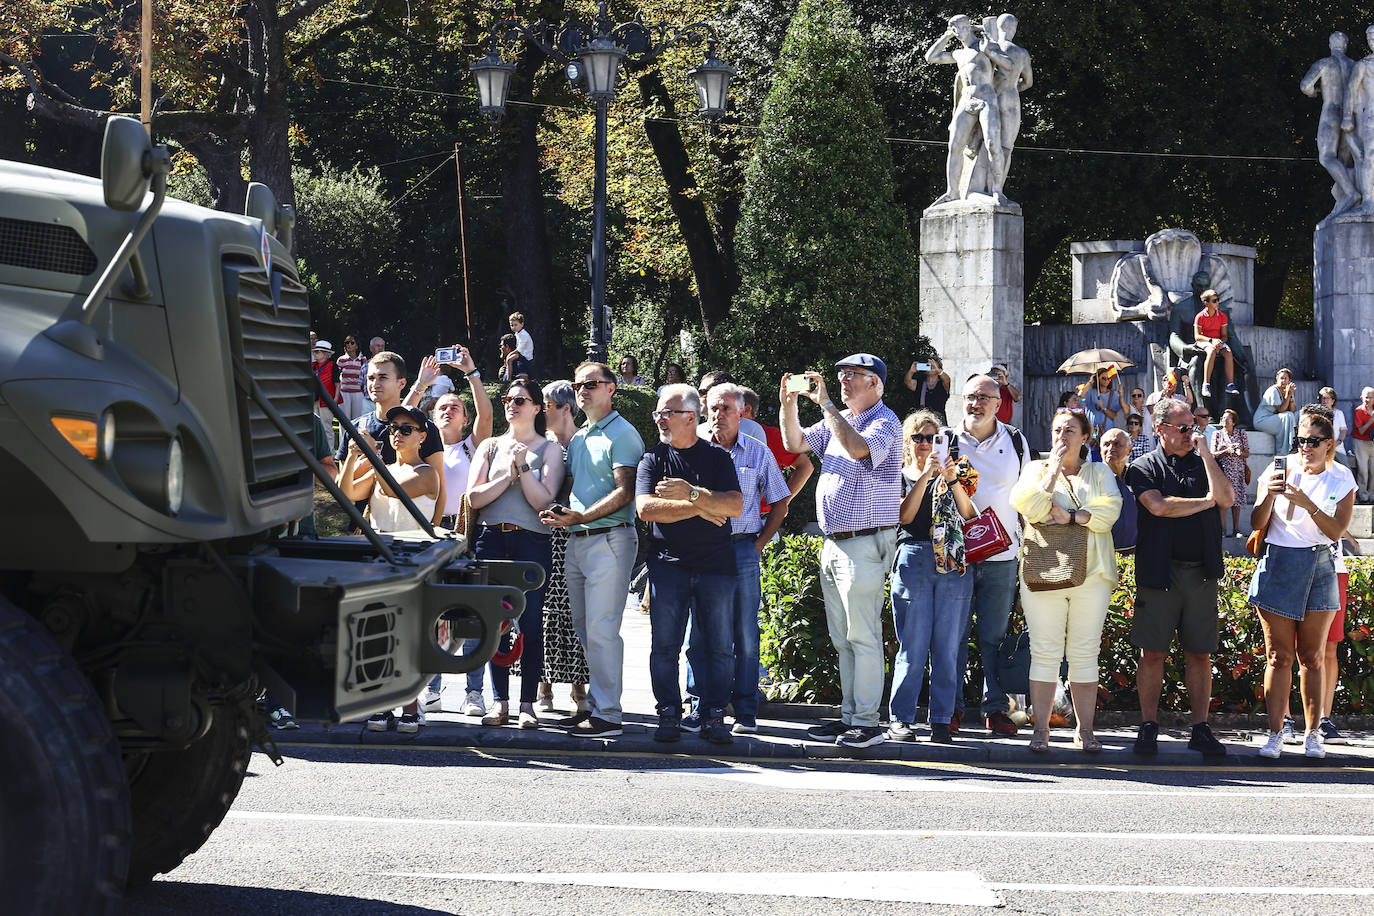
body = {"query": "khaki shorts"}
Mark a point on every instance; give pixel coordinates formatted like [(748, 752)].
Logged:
[(1188, 607)]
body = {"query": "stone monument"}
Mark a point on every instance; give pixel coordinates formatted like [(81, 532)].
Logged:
[(1343, 243), (973, 236)]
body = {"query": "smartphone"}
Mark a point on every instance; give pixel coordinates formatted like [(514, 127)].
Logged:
[(952, 439), (923, 367), (798, 384), (556, 509), (940, 448), (446, 355), (1281, 466)]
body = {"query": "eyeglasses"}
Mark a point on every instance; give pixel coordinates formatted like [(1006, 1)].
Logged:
[(1310, 441), (923, 437), (404, 429), (981, 398), (518, 400), (550, 405), (668, 412), (845, 375), (590, 384)]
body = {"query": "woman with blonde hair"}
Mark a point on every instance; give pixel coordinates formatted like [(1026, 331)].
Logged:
[(1067, 489), (932, 587)]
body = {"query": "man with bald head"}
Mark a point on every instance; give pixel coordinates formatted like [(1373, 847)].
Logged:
[(998, 452)]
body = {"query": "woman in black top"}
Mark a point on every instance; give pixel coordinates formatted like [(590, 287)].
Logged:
[(932, 388), (932, 589)]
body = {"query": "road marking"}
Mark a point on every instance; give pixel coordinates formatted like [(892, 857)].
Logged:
[(1189, 890), (949, 888), (911, 833), (823, 781)]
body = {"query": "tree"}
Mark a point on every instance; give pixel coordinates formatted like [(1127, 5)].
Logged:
[(827, 260)]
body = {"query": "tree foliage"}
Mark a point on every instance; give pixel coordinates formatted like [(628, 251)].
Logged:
[(826, 256)]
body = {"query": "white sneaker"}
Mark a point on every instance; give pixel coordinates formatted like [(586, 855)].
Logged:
[(1206, 389), (473, 705), (432, 700), (1290, 736), (1273, 747), (1312, 747)]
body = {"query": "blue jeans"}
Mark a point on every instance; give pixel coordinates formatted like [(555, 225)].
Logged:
[(930, 612), (674, 595), (744, 628), (994, 591), (495, 544)]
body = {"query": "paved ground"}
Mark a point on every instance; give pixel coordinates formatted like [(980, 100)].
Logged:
[(403, 829)]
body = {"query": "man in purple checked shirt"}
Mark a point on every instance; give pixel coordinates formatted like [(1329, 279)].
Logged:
[(858, 497)]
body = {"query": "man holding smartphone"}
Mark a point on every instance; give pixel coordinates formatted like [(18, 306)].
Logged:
[(858, 498), (1178, 487)]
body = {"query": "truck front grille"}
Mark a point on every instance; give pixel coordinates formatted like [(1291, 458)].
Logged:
[(372, 644), (42, 246), (271, 320)]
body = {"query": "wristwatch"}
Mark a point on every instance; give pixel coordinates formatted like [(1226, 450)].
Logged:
[(475, 373), (692, 497)]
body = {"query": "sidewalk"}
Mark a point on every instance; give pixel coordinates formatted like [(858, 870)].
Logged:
[(786, 738)]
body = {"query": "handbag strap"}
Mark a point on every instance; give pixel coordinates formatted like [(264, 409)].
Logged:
[(1073, 496)]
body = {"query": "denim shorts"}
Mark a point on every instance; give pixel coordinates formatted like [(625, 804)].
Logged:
[(1290, 581)]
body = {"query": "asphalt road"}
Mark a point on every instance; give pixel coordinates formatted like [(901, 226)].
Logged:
[(348, 829)]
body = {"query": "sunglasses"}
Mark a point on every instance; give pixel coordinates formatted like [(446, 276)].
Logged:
[(404, 429), (354, 342), (666, 413), (1211, 299), (923, 437), (1311, 441), (518, 400), (590, 384), (1183, 428)]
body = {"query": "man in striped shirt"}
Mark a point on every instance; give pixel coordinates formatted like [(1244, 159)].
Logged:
[(858, 498)]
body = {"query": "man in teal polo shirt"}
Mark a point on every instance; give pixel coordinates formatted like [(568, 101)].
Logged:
[(602, 460)]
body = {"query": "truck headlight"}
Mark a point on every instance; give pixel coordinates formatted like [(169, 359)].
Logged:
[(176, 476)]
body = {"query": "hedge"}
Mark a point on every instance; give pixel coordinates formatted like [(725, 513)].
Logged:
[(796, 647)]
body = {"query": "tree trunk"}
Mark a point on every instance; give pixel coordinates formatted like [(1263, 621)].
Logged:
[(221, 160), (529, 264)]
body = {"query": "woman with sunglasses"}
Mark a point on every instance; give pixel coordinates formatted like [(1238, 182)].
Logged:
[(932, 589), (1103, 399), (1067, 489), (1307, 506), (352, 368), (514, 476)]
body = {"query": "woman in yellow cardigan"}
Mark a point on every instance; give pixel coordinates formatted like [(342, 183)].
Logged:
[(1068, 622)]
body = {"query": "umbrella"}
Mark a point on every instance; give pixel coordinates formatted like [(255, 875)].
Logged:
[(1086, 362)]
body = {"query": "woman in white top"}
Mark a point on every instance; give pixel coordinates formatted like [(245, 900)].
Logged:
[(514, 476), (406, 428), (1306, 507)]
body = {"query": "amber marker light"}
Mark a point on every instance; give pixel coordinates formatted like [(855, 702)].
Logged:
[(93, 439)]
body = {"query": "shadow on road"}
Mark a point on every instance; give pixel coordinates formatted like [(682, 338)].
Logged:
[(174, 897)]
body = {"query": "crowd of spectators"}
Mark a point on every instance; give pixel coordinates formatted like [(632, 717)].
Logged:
[(1123, 473)]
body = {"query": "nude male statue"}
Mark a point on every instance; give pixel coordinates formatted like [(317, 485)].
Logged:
[(975, 107), (1357, 120), (1013, 77), (1329, 77)]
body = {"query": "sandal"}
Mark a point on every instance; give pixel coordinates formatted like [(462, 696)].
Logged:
[(499, 715), (1040, 744), (1088, 745), (528, 718)]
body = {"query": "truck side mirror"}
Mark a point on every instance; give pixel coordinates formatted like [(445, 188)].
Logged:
[(124, 167), (262, 205)]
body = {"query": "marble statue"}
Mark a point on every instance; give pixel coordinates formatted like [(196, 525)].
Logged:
[(1357, 120), (1329, 78), (1013, 77), (1149, 285), (976, 127)]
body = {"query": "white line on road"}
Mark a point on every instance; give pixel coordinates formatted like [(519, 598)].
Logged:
[(1191, 890), (949, 888), (1300, 838), (831, 781)]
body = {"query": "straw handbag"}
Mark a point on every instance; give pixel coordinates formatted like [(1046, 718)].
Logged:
[(1055, 556)]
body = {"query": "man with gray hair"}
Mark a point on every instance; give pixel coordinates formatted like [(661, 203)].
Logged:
[(1179, 488), (687, 490)]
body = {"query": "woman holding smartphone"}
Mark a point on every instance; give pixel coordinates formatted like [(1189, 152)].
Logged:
[(931, 387), (1307, 500), (513, 477)]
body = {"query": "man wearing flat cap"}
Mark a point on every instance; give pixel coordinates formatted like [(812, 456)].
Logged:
[(858, 497)]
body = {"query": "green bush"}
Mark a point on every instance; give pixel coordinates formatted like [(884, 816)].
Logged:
[(796, 648)]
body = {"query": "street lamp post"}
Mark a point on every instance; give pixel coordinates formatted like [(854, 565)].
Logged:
[(593, 54)]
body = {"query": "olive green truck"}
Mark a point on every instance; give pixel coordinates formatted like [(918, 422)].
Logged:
[(155, 428)]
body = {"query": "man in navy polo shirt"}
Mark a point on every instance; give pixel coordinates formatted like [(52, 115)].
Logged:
[(858, 498), (687, 490)]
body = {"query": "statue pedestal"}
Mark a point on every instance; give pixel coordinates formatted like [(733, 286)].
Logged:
[(973, 290), (1343, 293)]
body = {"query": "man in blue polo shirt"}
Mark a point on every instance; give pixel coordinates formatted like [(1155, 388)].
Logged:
[(858, 499), (602, 542), (688, 491)]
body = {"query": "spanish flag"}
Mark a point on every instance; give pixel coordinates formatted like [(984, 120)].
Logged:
[(1171, 380), (1111, 372), (1083, 388)]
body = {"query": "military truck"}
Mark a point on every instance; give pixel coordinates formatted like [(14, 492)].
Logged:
[(156, 408)]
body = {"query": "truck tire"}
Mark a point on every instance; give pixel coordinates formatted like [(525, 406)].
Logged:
[(178, 798), (64, 801)]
